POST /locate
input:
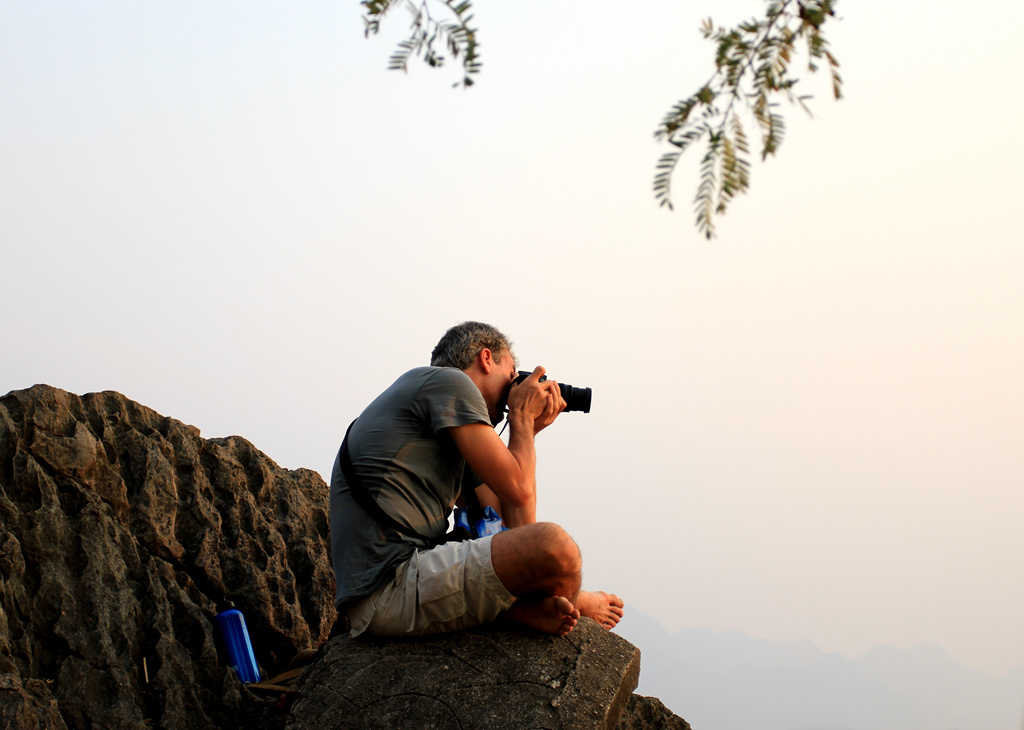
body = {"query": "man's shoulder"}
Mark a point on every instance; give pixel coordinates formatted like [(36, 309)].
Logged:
[(437, 376), (449, 395)]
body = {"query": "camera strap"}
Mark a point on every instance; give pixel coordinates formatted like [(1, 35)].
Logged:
[(365, 500)]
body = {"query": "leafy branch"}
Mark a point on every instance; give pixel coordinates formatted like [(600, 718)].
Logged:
[(430, 38), (752, 70)]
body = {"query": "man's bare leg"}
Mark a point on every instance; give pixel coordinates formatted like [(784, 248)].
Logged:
[(541, 564), (605, 608)]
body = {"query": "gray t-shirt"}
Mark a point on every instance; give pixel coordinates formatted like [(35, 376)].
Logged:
[(409, 465)]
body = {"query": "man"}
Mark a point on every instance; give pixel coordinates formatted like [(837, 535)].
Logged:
[(409, 449)]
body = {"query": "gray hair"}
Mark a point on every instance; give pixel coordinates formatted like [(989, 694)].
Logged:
[(463, 342)]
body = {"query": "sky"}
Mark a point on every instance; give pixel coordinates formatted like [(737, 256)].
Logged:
[(811, 426)]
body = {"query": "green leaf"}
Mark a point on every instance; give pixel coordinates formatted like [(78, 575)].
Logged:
[(752, 70)]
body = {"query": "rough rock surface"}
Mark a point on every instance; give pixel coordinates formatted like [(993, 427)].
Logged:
[(120, 532), (649, 713), (493, 677)]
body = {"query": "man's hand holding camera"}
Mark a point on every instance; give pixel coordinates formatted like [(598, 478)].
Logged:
[(534, 401)]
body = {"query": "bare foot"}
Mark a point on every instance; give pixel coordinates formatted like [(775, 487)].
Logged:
[(551, 615), (605, 608)]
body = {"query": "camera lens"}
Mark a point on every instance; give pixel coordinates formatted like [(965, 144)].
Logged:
[(576, 399)]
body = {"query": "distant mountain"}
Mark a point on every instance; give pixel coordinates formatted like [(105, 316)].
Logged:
[(728, 681)]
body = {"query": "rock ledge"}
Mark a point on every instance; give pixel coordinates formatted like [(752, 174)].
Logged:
[(497, 677)]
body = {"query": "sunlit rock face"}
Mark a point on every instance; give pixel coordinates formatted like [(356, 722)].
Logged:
[(496, 677), (121, 531), (500, 676)]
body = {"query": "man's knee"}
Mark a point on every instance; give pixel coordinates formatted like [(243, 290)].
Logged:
[(537, 557), (558, 550)]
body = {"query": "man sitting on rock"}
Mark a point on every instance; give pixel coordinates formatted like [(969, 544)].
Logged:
[(409, 450)]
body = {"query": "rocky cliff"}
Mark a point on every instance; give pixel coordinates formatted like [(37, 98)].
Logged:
[(121, 531)]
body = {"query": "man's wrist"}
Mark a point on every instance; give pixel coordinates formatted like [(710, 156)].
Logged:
[(519, 420)]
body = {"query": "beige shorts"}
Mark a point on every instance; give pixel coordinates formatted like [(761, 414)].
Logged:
[(450, 587)]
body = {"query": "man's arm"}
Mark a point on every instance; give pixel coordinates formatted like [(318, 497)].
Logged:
[(510, 472), (487, 498), (509, 475), (510, 516)]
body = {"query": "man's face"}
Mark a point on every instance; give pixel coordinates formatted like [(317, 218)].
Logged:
[(504, 373)]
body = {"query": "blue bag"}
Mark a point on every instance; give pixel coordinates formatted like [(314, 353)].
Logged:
[(487, 521)]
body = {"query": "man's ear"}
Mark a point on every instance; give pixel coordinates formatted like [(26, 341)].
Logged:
[(486, 360)]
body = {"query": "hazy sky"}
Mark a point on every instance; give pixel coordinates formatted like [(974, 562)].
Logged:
[(812, 426)]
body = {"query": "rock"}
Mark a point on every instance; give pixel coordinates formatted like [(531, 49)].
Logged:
[(28, 706), (492, 677), (648, 713), (120, 532)]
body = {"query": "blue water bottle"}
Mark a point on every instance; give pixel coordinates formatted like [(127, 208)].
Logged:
[(235, 638)]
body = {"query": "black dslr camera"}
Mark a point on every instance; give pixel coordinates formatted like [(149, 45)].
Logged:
[(576, 399)]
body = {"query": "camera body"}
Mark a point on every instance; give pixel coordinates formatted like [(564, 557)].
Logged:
[(576, 399)]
